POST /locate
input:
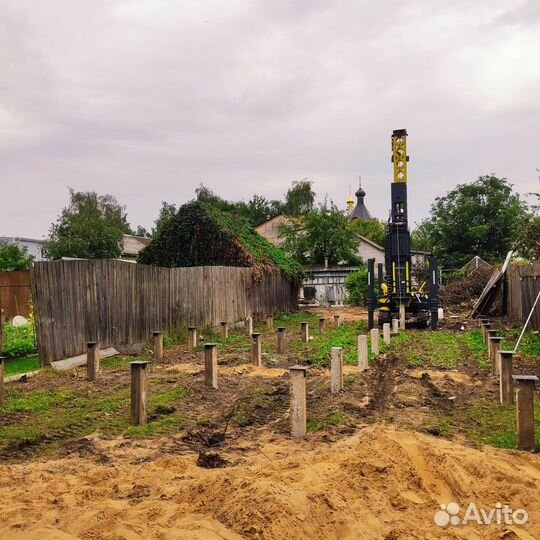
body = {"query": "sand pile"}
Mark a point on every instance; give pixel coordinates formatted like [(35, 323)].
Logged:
[(379, 483)]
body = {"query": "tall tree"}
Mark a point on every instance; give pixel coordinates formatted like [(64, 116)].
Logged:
[(300, 198), (319, 234), (480, 218), (14, 257), (90, 227), (421, 236), (166, 213)]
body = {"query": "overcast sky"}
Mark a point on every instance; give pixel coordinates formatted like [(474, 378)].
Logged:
[(147, 99)]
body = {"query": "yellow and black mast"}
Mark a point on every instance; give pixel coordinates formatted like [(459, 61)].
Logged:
[(398, 299)]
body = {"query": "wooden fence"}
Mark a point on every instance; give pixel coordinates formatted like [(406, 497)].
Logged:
[(523, 286), (15, 293), (120, 303)]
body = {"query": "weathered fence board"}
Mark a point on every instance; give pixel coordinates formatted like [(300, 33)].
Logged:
[(15, 293), (119, 303), (523, 285)]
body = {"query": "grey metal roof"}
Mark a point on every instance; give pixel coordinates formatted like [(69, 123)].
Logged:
[(360, 211)]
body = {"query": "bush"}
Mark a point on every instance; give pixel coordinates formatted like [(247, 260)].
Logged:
[(20, 341), (357, 287)]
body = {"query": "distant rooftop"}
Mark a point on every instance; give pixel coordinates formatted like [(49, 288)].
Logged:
[(360, 212)]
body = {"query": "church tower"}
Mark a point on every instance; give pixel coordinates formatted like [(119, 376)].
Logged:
[(360, 212)]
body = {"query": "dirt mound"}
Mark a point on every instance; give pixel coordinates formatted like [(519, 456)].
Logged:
[(378, 483)]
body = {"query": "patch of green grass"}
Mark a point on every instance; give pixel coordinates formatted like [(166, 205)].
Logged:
[(233, 341), (167, 398), (495, 424), (174, 337), (440, 428), (333, 419), (22, 365), (35, 401), (434, 349), (474, 340), (317, 351), (158, 428), (529, 345), (290, 320), (57, 415)]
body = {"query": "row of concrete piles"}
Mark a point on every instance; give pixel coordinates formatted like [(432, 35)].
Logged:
[(139, 368), (518, 389), (298, 373)]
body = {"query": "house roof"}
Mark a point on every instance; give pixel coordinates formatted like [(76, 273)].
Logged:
[(21, 239), (371, 242), (133, 244)]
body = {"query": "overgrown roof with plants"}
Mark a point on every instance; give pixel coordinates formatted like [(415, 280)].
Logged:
[(202, 235)]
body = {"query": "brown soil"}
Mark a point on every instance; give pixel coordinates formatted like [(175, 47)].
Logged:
[(238, 474)]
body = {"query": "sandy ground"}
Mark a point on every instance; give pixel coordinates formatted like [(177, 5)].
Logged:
[(378, 483), (360, 481)]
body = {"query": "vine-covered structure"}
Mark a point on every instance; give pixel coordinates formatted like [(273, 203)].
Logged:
[(202, 235)]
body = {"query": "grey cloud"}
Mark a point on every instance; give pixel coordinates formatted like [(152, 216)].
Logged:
[(146, 100)]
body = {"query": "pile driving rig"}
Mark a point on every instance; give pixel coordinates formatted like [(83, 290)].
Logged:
[(395, 297)]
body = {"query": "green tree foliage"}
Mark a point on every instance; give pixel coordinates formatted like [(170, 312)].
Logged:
[(480, 218), (356, 286), (373, 229), (201, 234), (142, 231), (300, 198), (420, 237), (325, 232), (166, 213), (256, 211), (90, 227), (14, 257)]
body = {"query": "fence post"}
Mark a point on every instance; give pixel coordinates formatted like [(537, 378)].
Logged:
[(249, 326), (374, 334), (322, 325), (494, 348), (256, 356), (92, 360), (386, 332), (192, 338), (224, 329), (210, 365), (298, 401), (402, 319), (525, 411), (304, 331), (362, 352), (482, 321), (486, 325), (270, 321), (2, 366), (337, 320), (281, 340), (505, 377), (336, 370), (139, 376), (158, 344), (489, 334), (395, 326)]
